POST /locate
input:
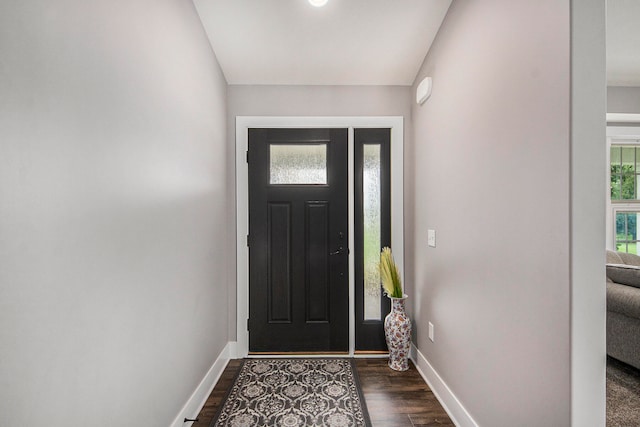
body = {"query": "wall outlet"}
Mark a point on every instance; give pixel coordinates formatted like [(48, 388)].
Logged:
[(431, 238), (431, 332)]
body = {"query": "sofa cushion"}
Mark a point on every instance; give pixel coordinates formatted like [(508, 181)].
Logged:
[(624, 274), (630, 259), (614, 258), (623, 299)]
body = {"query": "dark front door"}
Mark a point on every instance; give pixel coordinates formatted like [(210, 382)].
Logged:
[(298, 240)]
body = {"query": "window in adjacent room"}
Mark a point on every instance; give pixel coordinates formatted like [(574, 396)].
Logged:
[(624, 192), (627, 235)]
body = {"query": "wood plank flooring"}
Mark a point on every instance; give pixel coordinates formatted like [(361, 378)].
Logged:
[(394, 399), (398, 399)]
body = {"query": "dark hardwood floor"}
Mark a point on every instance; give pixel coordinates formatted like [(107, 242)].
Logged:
[(398, 399), (394, 399)]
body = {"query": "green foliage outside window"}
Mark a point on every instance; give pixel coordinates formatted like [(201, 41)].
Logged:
[(623, 180), (627, 232), (625, 167)]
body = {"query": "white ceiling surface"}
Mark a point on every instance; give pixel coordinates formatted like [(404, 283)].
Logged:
[(623, 42), (346, 42)]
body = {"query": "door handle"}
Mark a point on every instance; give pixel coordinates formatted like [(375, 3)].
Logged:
[(339, 251)]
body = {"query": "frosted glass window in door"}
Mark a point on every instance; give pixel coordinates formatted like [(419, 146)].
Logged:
[(298, 164), (372, 216)]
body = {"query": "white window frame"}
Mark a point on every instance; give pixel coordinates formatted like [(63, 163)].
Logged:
[(618, 135), (243, 124), (625, 208)]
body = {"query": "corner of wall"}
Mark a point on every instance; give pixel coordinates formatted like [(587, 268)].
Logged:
[(199, 397), (454, 408)]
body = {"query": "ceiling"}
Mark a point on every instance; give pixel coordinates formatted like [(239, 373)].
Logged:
[(346, 42), (361, 42), (623, 43)]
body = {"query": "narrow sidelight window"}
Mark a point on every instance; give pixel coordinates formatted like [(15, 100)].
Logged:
[(372, 232), (371, 218)]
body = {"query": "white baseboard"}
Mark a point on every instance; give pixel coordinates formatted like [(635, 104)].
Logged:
[(192, 408), (443, 393)]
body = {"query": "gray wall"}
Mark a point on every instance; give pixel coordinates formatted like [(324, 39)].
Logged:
[(622, 99), (491, 176), (112, 281), (253, 100), (265, 100)]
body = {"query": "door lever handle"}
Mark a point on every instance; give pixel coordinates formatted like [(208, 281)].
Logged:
[(339, 251)]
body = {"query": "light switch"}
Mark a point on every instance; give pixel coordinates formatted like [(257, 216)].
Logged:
[(431, 238)]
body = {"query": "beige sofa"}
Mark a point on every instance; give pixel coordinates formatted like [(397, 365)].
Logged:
[(623, 307)]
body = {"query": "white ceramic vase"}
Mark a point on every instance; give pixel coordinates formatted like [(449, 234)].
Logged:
[(397, 330)]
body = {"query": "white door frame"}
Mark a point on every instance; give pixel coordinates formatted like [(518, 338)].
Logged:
[(243, 124)]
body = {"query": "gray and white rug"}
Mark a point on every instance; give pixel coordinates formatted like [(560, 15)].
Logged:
[(294, 393)]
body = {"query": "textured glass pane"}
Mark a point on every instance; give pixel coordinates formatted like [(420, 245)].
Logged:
[(371, 190), (298, 164)]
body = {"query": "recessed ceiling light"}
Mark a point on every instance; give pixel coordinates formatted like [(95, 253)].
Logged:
[(318, 3)]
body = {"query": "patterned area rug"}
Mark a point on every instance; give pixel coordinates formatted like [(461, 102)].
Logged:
[(294, 393)]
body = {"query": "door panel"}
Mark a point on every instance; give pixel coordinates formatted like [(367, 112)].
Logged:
[(298, 221), (279, 277), (317, 259)]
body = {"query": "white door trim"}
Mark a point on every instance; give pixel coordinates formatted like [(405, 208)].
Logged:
[(243, 123)]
